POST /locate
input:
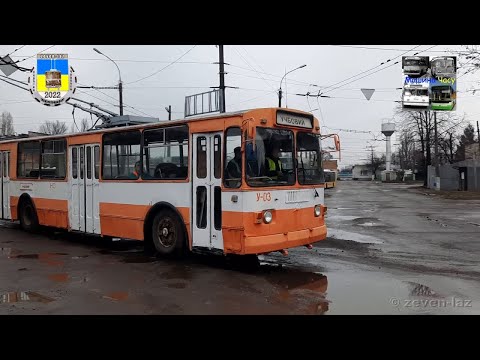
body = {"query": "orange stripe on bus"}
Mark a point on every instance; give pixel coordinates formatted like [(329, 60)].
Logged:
[(289, 227), (49, 212), (52, 212), (85, 139), (127, 221), (14, 207)]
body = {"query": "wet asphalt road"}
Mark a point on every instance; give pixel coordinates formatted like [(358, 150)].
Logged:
[(390, 250)]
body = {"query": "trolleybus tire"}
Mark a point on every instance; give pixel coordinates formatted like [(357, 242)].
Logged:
[(28, 216), (167, 233)]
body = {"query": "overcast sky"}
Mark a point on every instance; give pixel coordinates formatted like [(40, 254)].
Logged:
[(255, 70)]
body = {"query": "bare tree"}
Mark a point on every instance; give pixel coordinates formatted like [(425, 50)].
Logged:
[(53, 128), (467, 138), (406, 150), (83, 126), (469, 61), (6, 124), (421, 125)]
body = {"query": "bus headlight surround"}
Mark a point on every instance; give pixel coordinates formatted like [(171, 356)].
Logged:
[(267, 217), (317, 210)]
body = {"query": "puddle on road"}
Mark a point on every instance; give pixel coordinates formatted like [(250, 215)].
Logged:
[(24, 296), (177, 286), (46, 258), (117, 296), (58, 277), (308, 289), (347, 235), (138, 259), (340, 217), (39, 256)]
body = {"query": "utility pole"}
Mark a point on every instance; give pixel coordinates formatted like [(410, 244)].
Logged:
[(169, 110), (222, 78), (372, 161), (437, 160), (120, 86), (120, 90), (478, 137)]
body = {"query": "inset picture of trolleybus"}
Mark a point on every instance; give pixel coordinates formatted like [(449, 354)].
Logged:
[(444, 66), (53, 77), (442, 97), (415, 66), (415, 96)]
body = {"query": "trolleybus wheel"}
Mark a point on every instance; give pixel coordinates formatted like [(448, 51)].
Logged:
[(167, 233), (28, 216)]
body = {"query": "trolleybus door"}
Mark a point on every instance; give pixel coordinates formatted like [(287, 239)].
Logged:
[(4, 185), (207, 193), (84, 207)]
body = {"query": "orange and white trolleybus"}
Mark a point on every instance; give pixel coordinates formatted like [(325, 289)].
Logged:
[(248, 182)]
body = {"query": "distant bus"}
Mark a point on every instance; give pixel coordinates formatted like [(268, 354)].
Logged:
[(175, 185), (442, 97), (330, 178)]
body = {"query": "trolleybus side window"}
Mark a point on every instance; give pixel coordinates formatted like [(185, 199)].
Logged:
[(271, 163), (97, 162), (89, 162), (217, 156), (74, 163), (233, 158), (309, 161), (82, 162), (54, 159), (201, 157), (121, 155), (6, 161), (165, 153), (28, 163)]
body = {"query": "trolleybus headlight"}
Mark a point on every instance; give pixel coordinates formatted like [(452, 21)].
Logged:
[(267, 217), (317, 210)]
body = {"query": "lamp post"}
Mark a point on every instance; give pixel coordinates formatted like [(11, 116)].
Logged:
[(119, 80), (280, 91)]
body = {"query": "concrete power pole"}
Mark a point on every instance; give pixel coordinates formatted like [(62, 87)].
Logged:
[(222, 78), (437, 160), (169, 111), (478, 137)]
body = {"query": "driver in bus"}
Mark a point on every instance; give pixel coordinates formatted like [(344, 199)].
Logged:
[(273, 165), (234, 168)]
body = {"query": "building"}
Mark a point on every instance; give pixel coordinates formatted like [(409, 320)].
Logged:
[(361, 172), (330, 165)]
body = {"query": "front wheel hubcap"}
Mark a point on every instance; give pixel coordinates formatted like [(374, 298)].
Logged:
[(166, 232)]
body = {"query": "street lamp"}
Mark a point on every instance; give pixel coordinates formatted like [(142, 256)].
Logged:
[(280, 91), (119, 79)]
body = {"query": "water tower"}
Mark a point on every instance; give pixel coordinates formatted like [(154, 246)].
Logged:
[(388, 129)]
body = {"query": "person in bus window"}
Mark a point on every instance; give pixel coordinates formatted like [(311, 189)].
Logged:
[(273, 165), (234, 167), (137, 171)]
